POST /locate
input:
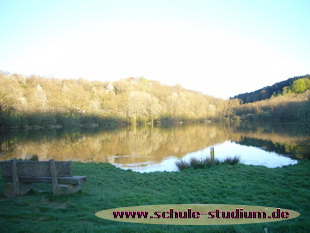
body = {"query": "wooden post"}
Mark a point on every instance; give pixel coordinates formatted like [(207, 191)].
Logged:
[(54, 175), (15, 177), (212, 152)]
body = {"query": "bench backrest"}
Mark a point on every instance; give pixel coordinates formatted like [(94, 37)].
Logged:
[(37, 168)]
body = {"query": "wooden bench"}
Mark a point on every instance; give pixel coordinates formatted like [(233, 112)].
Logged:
[(20, 176)]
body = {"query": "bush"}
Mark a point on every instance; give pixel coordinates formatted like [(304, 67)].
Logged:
[(232, 161), (205, 163), (30, 157)]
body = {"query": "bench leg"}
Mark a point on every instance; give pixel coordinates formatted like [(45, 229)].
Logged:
[(54, 176), (24, 188), (15, 179), (76, 188), (62, 189), (59, 189), (67, 189)]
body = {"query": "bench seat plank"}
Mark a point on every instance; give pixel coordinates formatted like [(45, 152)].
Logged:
[(73, 180)]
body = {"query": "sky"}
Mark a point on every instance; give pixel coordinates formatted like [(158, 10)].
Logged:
[(220, 48)]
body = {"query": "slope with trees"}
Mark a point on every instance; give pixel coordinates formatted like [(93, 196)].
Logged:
[(36, 102), (296, 85), (288, 103)]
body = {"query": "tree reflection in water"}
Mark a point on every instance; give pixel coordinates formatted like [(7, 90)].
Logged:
[(149, 146)]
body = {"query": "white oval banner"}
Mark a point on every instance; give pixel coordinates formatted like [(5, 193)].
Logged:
[(197, 214)]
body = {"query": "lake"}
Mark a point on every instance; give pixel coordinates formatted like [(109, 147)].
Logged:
[(147, 149)]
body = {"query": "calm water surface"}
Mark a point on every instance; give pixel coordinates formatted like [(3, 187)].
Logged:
[(157, 149)]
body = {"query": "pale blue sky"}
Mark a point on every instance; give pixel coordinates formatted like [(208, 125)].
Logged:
[(221, 47)]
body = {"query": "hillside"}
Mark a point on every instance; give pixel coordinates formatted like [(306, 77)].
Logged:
[(37, 101), (280, 108), (294, 85)]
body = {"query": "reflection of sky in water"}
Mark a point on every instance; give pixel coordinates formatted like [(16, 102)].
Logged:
[(248, 155)]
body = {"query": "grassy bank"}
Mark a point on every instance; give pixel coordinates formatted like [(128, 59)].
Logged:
[(109, 187)]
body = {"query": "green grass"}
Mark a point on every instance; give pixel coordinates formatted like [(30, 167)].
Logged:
[(109, 187), (205, 163)]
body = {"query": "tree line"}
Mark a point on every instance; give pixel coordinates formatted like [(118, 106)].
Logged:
[(36, 102), (291, 108), (296, 85)]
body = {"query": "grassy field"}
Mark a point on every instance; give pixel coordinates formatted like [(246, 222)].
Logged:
[(109, 187)]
